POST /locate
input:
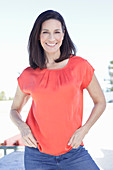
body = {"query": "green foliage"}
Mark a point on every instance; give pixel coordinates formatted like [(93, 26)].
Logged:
[(111, 89), (10, 98), (110, 67), (2, 95), (111, 62)]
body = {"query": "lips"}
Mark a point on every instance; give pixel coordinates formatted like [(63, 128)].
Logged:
[(51, 45)]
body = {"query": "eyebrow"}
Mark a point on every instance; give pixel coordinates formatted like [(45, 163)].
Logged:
[(48, 30)]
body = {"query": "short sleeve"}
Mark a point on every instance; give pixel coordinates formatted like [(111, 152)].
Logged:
[(24, 81), (87, 73)]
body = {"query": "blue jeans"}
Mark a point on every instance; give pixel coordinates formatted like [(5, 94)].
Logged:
[(75, 159)]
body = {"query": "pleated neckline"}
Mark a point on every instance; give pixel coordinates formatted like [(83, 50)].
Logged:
[(57, 69)]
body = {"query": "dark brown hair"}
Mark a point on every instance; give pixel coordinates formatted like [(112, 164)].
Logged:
[(37, 57)]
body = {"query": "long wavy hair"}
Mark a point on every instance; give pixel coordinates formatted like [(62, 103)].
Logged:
[(37, 57)]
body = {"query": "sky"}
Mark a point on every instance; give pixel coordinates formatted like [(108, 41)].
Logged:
[(89, 23)]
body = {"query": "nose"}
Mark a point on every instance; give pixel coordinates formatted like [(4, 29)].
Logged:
[(51, 37)]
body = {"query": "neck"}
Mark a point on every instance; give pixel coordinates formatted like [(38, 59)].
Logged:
[(51, 57)]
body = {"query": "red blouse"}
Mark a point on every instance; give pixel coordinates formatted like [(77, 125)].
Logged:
[(57, 102)]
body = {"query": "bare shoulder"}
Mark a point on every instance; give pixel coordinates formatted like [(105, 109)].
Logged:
[(20, 99), (95, 90)]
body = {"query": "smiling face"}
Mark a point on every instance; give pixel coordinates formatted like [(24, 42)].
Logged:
[(51, 36)]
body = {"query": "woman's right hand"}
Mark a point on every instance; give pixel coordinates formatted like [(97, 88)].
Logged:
[(19, 101), (27, 136)]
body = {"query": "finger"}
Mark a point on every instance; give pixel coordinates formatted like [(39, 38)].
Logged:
[(25, 142), (33, 140), (71, 140), (76, 146), (31, 143), (28, 142), (73, 145), (29, 138)]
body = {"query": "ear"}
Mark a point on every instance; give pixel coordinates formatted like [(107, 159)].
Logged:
[(63, 31)]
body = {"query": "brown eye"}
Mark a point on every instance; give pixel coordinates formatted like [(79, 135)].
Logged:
[(45, 32), (57, 32)]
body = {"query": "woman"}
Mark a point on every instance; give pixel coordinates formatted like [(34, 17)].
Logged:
[(53, 132)]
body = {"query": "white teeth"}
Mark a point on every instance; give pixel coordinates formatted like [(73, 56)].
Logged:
[(51, 44)]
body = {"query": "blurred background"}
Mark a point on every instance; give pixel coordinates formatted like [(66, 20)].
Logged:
[(90, 25)]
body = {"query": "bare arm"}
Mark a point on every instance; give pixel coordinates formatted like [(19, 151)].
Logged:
[(98, 98), (19, 101)]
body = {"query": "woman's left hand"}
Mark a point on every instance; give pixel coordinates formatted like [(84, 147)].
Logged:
[(77, 137)]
